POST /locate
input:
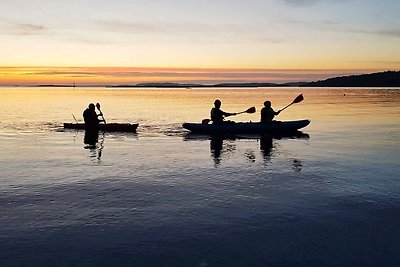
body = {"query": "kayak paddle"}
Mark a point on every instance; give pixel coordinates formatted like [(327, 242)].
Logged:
[(98, 107), (298, 99), (249, 110), (74, 118)]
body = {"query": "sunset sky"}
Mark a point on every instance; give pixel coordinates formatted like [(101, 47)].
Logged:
[(132, 41)]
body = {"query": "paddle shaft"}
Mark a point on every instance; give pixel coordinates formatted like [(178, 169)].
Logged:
[(75, 118), (98, 107), (287, 106), (104, 120)]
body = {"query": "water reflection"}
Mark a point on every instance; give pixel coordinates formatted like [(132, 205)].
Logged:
[(91, 139), (266, 145), (220, 146), (297, 165), (217, 145), (223, 146), (94, 144)]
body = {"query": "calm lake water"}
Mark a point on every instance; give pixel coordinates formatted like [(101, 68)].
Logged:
[(163, 197)]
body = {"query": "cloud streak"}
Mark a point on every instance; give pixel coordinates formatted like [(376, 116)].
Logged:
[(134, 28), (15, 28), (308, 3), (301, 3), (389, 33), (336, 26), (186, 30), (129, 27)]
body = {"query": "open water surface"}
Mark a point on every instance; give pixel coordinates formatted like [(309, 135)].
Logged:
[(329, 196)]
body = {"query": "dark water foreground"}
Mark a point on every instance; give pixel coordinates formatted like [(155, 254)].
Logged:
[(346, 238), (184, 200), (162, 197)]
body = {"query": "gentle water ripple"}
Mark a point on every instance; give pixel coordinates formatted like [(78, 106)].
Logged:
[(327, 196)]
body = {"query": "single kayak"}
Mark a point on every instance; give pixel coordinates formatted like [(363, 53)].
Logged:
[(109, 127), (247, 127)]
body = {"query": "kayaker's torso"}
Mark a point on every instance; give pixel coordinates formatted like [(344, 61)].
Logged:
[(217, 115), (91, 120), (267, 114)]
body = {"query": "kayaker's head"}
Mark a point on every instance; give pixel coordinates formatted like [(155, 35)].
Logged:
[(267, 104), (91, 106), (217, 103)]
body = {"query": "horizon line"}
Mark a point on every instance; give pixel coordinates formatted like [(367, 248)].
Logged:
[(108, 76)]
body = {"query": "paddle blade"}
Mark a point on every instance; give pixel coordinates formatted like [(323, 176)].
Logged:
[(298, 99), (98, 106), (205, 121), (251, 110)]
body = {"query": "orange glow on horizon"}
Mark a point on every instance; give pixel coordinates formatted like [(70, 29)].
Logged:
[(81, 76)]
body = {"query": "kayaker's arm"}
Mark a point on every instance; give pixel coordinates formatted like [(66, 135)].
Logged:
[(101, 119), (227, 114)]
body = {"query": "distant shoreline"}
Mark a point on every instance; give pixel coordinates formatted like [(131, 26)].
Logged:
[(379, 79), (219, 85)]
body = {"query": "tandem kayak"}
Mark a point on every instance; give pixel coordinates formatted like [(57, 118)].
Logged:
[(109, 127), (247, 127)]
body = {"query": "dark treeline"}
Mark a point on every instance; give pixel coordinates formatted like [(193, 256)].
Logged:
[(380, 79)]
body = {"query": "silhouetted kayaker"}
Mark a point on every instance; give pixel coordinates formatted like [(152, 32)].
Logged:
[(217, 115), (267, 113), (91, 118)]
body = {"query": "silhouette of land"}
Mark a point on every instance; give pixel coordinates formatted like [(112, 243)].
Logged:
[(380, 79), (195, 85), (55, 85)]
